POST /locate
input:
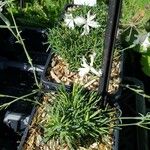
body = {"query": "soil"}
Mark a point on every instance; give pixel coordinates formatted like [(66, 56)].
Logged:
[(59, 72)]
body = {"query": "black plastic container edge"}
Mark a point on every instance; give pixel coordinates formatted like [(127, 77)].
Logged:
[(142, 134), (20, 147), (48, 85)]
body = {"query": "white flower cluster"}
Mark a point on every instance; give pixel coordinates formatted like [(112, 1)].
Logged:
[(86, 68), (143, 40), (80, 21)]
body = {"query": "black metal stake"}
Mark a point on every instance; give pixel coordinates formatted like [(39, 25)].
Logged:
[(111, 32)]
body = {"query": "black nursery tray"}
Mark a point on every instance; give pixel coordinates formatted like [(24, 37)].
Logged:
[(16, 117), (134, 69), (34, 40), (50, 84), (132, 104)]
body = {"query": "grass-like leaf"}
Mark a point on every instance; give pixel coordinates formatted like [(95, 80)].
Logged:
[(75, 116)]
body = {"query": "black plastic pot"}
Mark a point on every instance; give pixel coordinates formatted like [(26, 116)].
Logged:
[(34, 40), (16, 78), (15, 118), (134, 69), (115, 133), (132, 104), (50, 84)]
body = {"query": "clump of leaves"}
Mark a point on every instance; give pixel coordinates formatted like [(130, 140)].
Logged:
[(54, 8), (135, 11), (71, 46), (41, 13), (75, 117)]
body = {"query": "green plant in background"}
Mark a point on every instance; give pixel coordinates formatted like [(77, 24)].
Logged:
[(135, 16), (37, 13), (54, 8), (76, 119), (139, 42), (71, 45), (32, 14), (135, 13)]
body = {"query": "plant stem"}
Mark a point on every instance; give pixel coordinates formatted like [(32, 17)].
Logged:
[(9, 96), (17, 99), (20, 40)]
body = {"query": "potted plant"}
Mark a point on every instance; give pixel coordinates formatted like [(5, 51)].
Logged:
[(94, 109), (77, 43), (135, 43), (63, 112), (83, 124), (27, 18), (16, 104)]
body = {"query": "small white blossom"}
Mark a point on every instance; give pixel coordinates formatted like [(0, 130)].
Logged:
[(69, 21), (90, 23), (88, 68), (143, 40), (81, 21)]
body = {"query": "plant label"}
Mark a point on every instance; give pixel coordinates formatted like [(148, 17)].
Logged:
[(85, 2)]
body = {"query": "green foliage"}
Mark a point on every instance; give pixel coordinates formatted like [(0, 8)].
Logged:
[(145, 62), (71, 46), (54, 8), (128, 36), (75, 117), (133, 8), (38, 13), (147, 26)]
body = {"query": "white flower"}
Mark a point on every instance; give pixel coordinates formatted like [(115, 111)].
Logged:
[(69, 21), (81, 21), (90, 23), (143, 40), (88, 68)]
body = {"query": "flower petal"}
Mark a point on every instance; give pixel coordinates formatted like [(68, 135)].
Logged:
[(93, 24), (146, 43), (84, 62), (90, 17), (86, 30), (83, 71), (79, 21), (92, 57), (69, 21), (143, 40), (94, 71)]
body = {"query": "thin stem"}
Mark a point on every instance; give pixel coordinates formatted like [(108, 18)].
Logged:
[(128, 118), (144, 127), (4, 26), (14, 97), (130, 124), (19, 98), (20, 40), (138, 91)]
